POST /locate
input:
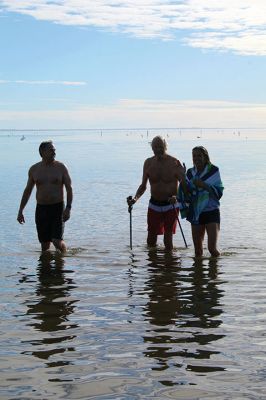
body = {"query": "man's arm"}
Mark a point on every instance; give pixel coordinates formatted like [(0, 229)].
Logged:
[(69, 192), (142, 187), (182, 177), (25, 197), (180, 171)]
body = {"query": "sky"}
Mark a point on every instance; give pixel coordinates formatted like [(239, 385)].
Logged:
[(88, 64)]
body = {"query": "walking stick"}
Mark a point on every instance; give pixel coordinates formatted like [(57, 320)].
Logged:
[(181, 230), (130, 221)]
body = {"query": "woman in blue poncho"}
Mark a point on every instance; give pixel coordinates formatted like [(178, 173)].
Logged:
[(199, 196)]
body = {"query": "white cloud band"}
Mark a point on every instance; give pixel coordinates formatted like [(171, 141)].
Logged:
[(140, 113), (50, 82), (234, 25)]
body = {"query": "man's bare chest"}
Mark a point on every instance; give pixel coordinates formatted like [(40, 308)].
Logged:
[(161, 173), (48, 177)]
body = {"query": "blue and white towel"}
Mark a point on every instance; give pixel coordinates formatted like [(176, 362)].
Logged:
[(196, 199)]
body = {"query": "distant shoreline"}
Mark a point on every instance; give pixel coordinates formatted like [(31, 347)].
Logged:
[(129, 129)]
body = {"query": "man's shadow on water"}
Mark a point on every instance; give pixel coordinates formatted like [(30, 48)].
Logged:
[(52, 308), (183, 311)]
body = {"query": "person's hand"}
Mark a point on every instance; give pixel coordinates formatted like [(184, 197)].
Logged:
[(20, 218), (172, 199), (131, 200), (66, 214), (199, 183)]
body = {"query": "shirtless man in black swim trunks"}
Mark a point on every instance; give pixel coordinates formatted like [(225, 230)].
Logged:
[(50, 177), (163, 173)]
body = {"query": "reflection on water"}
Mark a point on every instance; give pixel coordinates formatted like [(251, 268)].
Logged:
[(157, 325), (184, 311), (51, 309)]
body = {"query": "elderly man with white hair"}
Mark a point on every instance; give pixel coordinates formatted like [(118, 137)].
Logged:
[(163, 173)]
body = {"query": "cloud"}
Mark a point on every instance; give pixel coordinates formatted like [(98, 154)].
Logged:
[(227, 25), (50, 82), (140, 113)]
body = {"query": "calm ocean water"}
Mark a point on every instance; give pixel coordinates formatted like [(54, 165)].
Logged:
[(105, 322)]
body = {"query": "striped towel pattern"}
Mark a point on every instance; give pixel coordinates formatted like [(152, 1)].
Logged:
[(193, 202)]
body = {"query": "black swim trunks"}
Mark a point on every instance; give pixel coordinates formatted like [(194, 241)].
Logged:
[(49, 221)]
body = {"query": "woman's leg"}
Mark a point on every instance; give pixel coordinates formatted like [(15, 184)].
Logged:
[(198, 232), (213, 233)]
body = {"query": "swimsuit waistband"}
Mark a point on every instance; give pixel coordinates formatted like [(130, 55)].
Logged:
[(159, 203), (61, 203)]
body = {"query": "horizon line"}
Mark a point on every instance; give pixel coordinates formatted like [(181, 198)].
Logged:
[(125, 129)]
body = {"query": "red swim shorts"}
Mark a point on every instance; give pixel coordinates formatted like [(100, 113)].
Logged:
[(162, 219)]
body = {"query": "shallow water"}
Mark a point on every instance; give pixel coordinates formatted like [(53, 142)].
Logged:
[(106, 322)]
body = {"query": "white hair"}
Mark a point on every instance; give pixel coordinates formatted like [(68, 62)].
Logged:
[(159, 138)]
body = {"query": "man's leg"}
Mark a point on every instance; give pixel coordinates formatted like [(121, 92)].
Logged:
[(42, 226), (45, 246), (198, 232), (169, 221), (153, 221), (59, 245), (151, 239), (58, 228), (213, 233), (168, 241)]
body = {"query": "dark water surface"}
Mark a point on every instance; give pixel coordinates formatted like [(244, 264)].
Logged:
[(106, 322)]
